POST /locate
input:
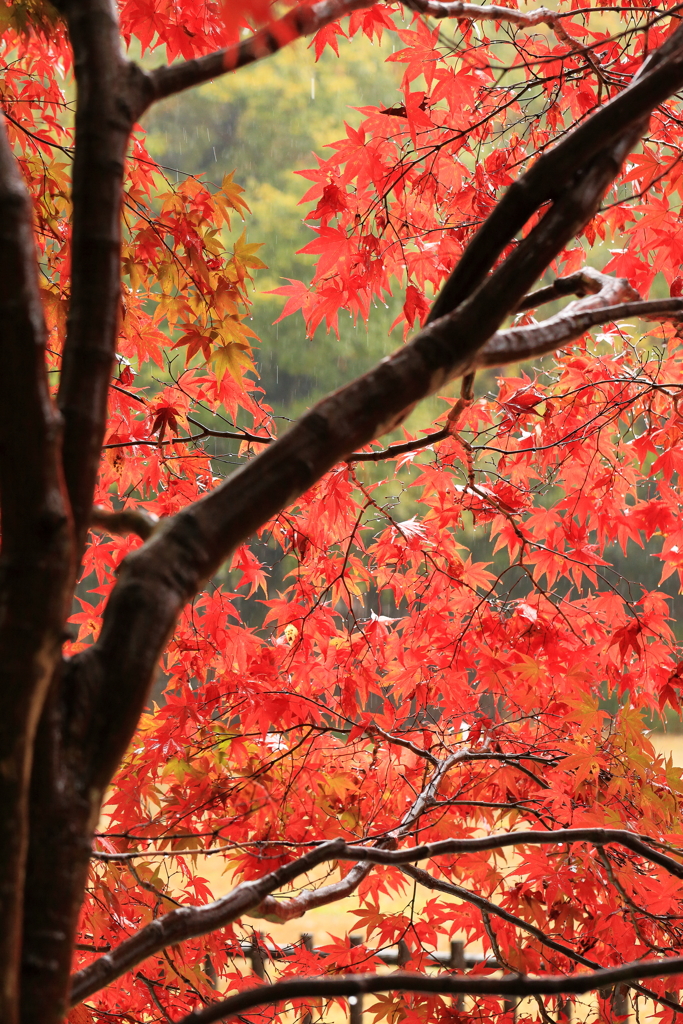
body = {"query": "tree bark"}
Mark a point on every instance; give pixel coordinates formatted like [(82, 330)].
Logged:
[(64, 807), (35, 564)]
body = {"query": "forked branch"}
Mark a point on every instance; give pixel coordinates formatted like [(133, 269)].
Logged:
[(609, 299)]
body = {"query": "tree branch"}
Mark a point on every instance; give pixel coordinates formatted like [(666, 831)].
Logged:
[(189, 922), (127, 520), (516, 986), (659, 77), (301, 21), (519, 343), (487, 12), (236, 435), (36, 558), (107, 89)]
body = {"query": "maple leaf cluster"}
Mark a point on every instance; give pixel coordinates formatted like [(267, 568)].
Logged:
[(463, 598)]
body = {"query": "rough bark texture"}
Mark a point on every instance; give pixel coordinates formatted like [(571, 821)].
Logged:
[(64, 807), (35, 563), (107, 94)]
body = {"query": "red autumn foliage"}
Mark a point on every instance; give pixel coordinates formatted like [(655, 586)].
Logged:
[(333, 670)]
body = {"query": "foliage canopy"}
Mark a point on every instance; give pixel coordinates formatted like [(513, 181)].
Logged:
[(412, 675)]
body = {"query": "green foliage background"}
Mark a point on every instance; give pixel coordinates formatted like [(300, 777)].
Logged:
[(265, 122)]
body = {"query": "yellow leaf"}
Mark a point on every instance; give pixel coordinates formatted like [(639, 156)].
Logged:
[(244, 253), (231, 358), (230, 196)]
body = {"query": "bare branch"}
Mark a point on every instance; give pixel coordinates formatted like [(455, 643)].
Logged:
[(520, 343), (61, 810), (127, 520), (586, 281), (515, 986), (487, 12), (236, 435), (278, 911), (401, 741), (400, 449)]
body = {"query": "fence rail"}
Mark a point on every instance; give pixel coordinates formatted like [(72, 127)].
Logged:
[(258, 953)]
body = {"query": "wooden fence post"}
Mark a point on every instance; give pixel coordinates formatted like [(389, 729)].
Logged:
[(307, 943), (564, 1010), (457, 963), (620, 1003), (510, 1006), (256, 955), (356, 1002)]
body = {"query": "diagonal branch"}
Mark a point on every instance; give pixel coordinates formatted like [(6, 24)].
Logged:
[(156, 581), (512, 986), (127, 520), (301, 21)]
